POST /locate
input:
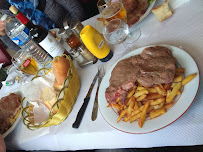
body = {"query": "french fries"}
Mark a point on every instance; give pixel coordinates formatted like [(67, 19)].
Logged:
[(143, 103), (143, 114)]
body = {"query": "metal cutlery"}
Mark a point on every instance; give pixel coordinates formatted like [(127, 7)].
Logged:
[(95, 107), (81, 112)]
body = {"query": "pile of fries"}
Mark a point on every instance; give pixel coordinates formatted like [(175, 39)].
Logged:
[(152, 102)]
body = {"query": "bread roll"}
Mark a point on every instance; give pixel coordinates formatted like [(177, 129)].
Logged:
[(48, 96), (57, 87), (60, 67), (163, 11)]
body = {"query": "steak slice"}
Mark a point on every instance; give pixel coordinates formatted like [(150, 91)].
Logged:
[(9, 107), (155, 65), (134, 15)]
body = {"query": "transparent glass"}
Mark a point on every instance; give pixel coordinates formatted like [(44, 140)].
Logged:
[(117, 31), (111, 9), (25, 62)]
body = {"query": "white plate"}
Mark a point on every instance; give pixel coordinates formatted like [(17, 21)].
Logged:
[(178, 109), (100, 26), (16, 121)]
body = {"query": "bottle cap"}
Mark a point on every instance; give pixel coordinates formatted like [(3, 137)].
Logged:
[(13, 9), (66, 24), (108, 57), (4, 17)]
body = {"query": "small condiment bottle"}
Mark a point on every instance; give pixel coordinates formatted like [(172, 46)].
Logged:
[(77, 56), (95, 43), (76, 27), (86, 53), (70, 38)]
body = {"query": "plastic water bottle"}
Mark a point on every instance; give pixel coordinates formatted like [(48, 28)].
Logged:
[(19, 34)]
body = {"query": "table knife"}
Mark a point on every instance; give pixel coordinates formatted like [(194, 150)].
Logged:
[(95, 107), (81, 112)]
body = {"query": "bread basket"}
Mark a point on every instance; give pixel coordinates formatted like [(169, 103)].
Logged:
[(65, 100)]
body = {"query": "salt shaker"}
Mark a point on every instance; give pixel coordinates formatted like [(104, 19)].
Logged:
[(77, 56), (86, 53)]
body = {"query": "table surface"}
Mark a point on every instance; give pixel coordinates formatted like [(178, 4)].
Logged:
[(185, 29)]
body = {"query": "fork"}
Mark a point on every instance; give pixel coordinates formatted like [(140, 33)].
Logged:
[(95, 107)]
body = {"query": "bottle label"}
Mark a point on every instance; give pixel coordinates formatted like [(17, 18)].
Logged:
[(26, 63), (52, 46), (22, 37), (101, 44)]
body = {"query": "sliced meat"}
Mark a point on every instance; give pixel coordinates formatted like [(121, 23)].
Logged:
[(130, 5), (9, 107), (155, 65), (134, 16)]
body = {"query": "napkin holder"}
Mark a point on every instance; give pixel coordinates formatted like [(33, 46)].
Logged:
[(64, 103)]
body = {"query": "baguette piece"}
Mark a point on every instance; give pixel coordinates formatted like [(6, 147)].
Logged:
[(48, 96), (60, 67), (162, 12)]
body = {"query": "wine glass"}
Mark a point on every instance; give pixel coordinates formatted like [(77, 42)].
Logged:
[(115, 10), (117, 31)]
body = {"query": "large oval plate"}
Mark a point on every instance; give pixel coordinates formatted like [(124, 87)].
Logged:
[(179, 108), (100, 26)]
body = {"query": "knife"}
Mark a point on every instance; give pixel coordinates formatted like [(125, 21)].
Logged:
[(95, 107), (81, 112)]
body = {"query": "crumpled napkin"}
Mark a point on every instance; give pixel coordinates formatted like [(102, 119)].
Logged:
[(32, 92)]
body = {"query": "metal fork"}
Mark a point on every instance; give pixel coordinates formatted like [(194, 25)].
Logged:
[(95, 107)]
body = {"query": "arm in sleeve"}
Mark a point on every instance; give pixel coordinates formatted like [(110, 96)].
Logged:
[(74, 8)]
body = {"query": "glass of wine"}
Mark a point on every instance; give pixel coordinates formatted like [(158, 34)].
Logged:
[(117, 31)]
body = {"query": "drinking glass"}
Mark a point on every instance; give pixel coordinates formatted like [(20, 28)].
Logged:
[(24, 62), (117, 31), (111, 9)]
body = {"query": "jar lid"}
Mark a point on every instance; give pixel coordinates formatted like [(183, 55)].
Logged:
[(4, 17)]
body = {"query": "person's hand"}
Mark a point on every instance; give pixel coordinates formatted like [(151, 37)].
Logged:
[(2, 144), (2, 28)]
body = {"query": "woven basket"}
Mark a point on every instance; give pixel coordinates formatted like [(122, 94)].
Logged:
[(71, 87)]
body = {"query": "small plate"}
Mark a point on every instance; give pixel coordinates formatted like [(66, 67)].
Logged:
[(100, 26), (179, 108), (16, 121)]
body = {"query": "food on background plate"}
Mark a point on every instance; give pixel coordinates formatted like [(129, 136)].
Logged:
[(60, 67), (134, 15), (9, 110), (145, 86), (163, 11), (134, 9), (49, 97)]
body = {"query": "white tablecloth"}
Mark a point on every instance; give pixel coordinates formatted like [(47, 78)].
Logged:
[(184, 28)]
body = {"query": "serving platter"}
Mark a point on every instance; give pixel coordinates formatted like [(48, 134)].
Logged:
[(179, 108), (100, 26)]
